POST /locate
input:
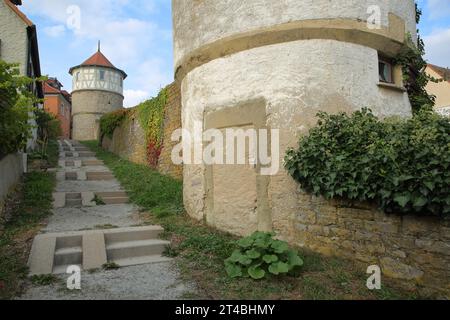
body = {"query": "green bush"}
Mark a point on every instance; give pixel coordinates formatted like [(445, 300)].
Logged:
[(403, 165), (110, 121), (260, 255), (16, 101)]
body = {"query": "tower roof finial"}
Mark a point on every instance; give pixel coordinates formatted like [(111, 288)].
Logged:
[(98, 45)]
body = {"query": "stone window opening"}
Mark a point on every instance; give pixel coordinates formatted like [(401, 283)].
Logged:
[(390, 75), (385, 71)]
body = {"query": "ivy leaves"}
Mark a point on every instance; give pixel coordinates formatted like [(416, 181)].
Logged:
[(260, 255), (403, 165)]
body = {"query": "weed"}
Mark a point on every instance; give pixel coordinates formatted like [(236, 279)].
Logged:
[(44, 280)]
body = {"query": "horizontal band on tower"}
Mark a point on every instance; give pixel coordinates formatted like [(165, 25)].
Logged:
[(388, 40)]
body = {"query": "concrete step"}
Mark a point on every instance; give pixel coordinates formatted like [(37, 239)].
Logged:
[(68, 256), (63, 268), (133, 234), (99, 176), (141, 260), (87, 163), (132, 249), (115, 200), (74, 203), (53, 253)]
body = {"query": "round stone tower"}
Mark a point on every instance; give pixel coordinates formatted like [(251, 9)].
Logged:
[(275, 65), (97, 89)]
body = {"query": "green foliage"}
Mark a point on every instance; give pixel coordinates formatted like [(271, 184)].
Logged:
[(403, 165), (411, 59), (35, 206), (145, 186), (110, 121), (260, 255), (16, 101), (151, 117), (44, 280)]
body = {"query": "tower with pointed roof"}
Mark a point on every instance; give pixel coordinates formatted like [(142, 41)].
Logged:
[(97, 89)]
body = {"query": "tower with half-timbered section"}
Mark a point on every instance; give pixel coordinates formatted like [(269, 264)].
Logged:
[(97, 89)]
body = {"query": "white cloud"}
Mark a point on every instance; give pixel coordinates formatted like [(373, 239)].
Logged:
[(55, 31), (134, 97), (437, 48), (139, 46)]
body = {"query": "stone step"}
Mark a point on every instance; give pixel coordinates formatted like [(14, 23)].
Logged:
[(132, 249), (68, 256), (87, 163), (99, 176), (115, 200), (126, 262), (53, 253), (63, 268), (133, 234), (74, 203)]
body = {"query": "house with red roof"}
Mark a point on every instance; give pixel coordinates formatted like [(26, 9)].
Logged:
[(440, 89), (59, 103)]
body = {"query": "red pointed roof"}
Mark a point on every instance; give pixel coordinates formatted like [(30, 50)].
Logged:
[(98, 59)]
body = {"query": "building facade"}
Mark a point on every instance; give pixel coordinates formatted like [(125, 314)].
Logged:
[(58, 102), (19, 44), (97, 89), (441, 89)]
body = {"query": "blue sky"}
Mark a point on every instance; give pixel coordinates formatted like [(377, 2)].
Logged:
[(136, 35)]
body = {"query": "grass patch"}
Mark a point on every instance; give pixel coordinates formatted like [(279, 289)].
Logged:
[(200, 250), (19, 231), (44, 280), (146, 187)]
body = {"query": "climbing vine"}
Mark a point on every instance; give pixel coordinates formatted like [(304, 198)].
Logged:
[(411, 59), (151, 118), (110, 121)]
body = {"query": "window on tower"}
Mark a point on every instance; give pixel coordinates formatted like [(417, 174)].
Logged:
[(385, 71), (102, 75)]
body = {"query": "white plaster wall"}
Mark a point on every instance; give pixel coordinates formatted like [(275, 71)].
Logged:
[(199, 22), (13, 36), (89, 79), (297, 79)]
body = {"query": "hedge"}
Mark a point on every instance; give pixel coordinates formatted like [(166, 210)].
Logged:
[(401, 164)]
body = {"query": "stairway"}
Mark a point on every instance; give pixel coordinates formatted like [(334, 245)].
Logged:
[(54, 253)]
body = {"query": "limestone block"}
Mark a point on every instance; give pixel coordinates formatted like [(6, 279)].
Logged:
[(393, 268)]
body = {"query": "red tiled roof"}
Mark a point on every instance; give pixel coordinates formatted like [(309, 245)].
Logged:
[(98, 59), (19, 13), (48, 89)]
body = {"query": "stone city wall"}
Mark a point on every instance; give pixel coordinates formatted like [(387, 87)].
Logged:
[(129, 139)]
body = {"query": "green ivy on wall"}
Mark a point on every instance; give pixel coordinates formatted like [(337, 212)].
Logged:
[(150, 115), (110, 121)]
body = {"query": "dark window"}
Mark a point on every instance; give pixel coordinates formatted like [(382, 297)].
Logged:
[(102, 75), (385, 71)]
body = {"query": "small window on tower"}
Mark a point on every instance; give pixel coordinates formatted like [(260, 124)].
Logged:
[(78, 76), (386, 71), (102, 75)]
